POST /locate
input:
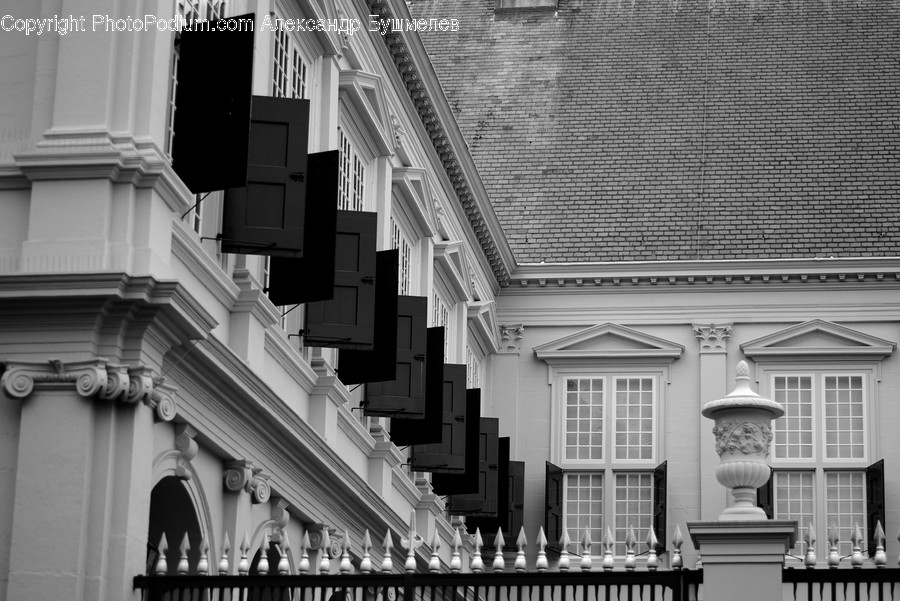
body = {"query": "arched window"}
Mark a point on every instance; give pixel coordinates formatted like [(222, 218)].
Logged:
[(172, 513)]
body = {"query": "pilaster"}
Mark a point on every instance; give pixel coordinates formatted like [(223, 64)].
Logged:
[(713, 341)]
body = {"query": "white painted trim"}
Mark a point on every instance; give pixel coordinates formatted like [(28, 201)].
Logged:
[(558, 351), (857, 344)]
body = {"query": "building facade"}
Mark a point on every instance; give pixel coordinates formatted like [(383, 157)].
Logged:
[(151, 387)]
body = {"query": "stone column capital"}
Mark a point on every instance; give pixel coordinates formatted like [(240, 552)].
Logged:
[(511, 337), (713, 337)]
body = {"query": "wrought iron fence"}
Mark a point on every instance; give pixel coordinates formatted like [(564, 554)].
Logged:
[(676, 585), (842, 585)]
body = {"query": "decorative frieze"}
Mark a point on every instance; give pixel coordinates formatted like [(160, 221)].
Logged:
[(95, 377), (713, 337)]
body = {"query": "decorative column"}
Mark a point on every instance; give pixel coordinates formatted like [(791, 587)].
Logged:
[(713, 339), (80, 477), (743, 552)]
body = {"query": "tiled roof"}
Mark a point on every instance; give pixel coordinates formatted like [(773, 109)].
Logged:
[(614, 130)]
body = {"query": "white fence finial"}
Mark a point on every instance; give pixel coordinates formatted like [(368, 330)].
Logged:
[(303, 566), (541, 563), (880, 556), (243, 563), (564, 542), (630, 542), (477, 565), (345, 565), (162, 566), (652, 559), (856, 557), (434, 566), (521, 541), (586, 545), (608, 543), (365, 565), (284, 549), (677, 541), (455, 560), (810, 538), (224, 565), (182, 568), (834, 558), (325, 551), (203, 563), (499, 564), (387, 563), (262, 567)]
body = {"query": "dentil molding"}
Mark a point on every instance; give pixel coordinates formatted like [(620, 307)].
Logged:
[(93, 378)]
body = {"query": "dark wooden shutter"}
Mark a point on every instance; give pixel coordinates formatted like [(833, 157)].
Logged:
[(212, 106), (267, 215), (404, 393), (874, 501), (553, 507), (293, 281), (467, 481), (348, 320), (429, 428), (490, 524), (484, 501), (659, 505), (516, 503), (449, 455), (765, 497), (380, 364)]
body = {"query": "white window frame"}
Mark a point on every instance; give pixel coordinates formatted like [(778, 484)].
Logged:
[(402, 230), (819, 465), (610, 375), (609, 467)]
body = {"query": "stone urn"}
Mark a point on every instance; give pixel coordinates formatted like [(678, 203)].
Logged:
[(743, 434)]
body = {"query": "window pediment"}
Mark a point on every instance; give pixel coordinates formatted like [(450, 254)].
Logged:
[(364, 92), (451, 261), (818, 338), (412, 186), (482, 320), (608, 341)]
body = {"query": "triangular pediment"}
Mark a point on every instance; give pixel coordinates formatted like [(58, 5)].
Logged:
[(818, 338), (608, 341)]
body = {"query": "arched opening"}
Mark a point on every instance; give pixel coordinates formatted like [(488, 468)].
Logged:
[(172, 513)]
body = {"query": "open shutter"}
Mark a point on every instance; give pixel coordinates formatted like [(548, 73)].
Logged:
[(266, 216), (429, 428), (449, 455), (404, 393), (764, 497), (348, 320), (501, 520), (293, 281), (874, 501), (467, 481), (484, 501), (516, 502), (212, 106), (659, 505), (553, 508), (381, 363)]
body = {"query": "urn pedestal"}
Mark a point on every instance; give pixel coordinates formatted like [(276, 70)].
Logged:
[(743, 434)]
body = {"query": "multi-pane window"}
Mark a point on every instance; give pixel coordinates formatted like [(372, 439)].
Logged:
[(440, 316), (401, 242), (607, 446), (819, 454), (351, 182), (289, 69), (473, 369)]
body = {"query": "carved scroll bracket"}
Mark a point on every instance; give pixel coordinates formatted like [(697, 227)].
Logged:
[(243, 475), (187, 447)]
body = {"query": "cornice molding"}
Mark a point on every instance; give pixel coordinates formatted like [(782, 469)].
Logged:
[(289, 359), (421, 82), (573, 277), (189, 251)]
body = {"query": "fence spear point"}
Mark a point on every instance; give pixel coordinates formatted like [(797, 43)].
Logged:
[(499, 543)]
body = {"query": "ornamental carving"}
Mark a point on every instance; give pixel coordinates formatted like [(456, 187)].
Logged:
[(712, 337), (243, 475), (187, 449), (511, 337), (96, 377), (743, 437)]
